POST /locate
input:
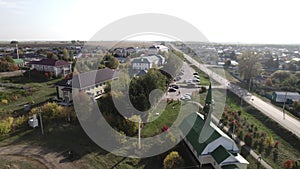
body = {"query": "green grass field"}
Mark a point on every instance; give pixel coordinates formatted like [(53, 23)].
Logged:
[(36, 91)]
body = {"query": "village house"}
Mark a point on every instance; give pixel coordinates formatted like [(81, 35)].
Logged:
[(57, 67), (92, 83), (288, 97), (147, 62)]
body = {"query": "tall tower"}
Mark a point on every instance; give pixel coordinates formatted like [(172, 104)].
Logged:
[(17, 50)]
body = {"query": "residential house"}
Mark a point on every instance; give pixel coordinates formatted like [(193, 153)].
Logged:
[(57, 67), (93, 83), (154, 49), (217, 149), (288, 97), (147, 62)]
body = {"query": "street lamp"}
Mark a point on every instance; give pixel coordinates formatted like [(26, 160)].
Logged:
[(242, 101), (283, 107)]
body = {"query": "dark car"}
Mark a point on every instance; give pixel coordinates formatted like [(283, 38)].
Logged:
[(171, 89), (174, 86)]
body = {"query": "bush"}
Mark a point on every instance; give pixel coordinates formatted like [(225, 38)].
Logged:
[(19, 121), (248, 139), (50, 111), (173, 160), (288, 164), (4, 101), (6, 125)]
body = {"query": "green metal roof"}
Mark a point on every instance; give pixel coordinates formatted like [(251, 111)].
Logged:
[(18, 61), (231, 166), (220, 154), (195, 123)]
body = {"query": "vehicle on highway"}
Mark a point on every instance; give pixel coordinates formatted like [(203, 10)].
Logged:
[(171, 89)]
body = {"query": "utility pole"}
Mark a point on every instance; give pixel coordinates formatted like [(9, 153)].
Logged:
[(242, 102), (249, 84), (283, 107), (42, 127), (139, 134)]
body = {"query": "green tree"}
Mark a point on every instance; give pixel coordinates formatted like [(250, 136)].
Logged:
[(141, 87), (227, 62), (173, 160), (9, 59), (249, 65), (110, 61), (51, 55), (66, 55)]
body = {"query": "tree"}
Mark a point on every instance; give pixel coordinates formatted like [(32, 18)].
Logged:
[(141, 87), (131, 125), (249, 65), (66, 55), (9, 59), (110, 61), (227, 62), (173, 160), (268, 82), (51, 55), (288, 164), (248, 139)]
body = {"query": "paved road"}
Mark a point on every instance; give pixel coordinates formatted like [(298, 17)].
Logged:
[(50, 159), (268, 109)]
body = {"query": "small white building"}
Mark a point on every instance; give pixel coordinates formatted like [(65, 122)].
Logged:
[(154, 49)]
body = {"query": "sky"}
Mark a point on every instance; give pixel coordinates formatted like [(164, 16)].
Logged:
[(224, 21)]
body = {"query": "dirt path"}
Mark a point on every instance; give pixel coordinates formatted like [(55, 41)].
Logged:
[(9, 74), (50, 159)]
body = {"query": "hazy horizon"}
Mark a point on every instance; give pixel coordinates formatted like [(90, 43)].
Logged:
[(232, 21)]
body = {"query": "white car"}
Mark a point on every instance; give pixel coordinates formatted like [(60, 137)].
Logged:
[(185, 97), (196, 80)]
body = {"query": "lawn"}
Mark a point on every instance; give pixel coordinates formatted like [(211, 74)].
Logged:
[(287, 147), (87, 155), (20, 90), (204, 78), (13, 161)]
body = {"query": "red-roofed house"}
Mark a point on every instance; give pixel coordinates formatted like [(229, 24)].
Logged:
[(57, 67)]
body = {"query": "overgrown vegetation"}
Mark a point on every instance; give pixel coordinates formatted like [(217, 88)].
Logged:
[(262, 134)]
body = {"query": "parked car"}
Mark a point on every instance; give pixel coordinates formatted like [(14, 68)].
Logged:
[(174, 86), (196, 80), (171, 89), (196, 74), (185, 97)]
